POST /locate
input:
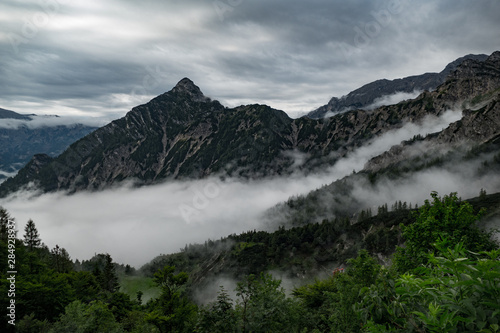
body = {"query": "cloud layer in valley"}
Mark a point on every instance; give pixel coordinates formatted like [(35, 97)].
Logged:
[(416, 188), (136, 224), (392, 99), (51, 121)]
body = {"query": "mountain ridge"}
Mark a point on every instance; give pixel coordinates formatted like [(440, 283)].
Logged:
[(8, 114), (472, 140), (19, 141), (183, 134), (367, 94)]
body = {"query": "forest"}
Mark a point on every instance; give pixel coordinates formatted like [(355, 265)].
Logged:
[(444, 277)]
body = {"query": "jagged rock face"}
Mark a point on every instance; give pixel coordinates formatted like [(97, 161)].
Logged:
[(476, 127), (148, 143), (33, 168), (475, 84), (367, 94), (472, 83), (179, 134), (187, 87), (183, 134), (468, 147)]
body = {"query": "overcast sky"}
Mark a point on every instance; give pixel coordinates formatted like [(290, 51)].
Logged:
[(102, 57)]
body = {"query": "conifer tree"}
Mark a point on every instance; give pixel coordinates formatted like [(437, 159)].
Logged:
[(56, 255), (31, 237), (108, 278)]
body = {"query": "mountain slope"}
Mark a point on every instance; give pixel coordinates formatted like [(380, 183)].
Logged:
[(7, 114), (368, 94), (301, 253), (19, 141), (467, 152), (183, 134)]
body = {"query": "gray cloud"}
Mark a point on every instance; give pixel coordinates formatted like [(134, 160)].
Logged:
[(95, 58)]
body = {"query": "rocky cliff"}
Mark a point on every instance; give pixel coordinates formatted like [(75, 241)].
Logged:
[(474, 87), (469, 146), (183, 133), (366, 95)]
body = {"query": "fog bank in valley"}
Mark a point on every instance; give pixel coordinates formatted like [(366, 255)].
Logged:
[(136, 224), (51, 121)]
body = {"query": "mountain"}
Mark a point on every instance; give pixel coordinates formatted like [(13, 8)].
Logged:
[(19, 140), (7, 114), (182, 134), (367, 95), (468, 149)]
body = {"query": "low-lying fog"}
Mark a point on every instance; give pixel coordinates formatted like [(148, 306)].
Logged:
[(136, 224)]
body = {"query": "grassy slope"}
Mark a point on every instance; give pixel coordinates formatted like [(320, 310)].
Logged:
[(130, 285)]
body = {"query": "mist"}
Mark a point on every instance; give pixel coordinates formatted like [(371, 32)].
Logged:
[(51, 121), (135, 224), (392, 99), (4, 175), (417, 187)]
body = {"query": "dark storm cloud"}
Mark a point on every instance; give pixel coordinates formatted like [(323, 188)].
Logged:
[(59, 74), (106, 57)]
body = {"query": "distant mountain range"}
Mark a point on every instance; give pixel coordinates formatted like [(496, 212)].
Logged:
[(469, 147), (7, 114), (19, 141), (368, 95), (183, 134)]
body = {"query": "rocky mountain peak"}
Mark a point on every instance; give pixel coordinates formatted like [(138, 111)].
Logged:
[(186, 86), (452, 66)]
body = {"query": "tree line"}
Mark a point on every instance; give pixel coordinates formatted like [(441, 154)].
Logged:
[(446, 278)]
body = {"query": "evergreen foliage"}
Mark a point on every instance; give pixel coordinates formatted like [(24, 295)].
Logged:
[(446, 217), (31, 237), (107, 277), (448, 280)]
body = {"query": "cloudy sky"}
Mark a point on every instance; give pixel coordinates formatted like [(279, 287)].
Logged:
[(100, 58)]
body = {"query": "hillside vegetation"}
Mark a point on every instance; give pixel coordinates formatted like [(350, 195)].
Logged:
[(444, 277)]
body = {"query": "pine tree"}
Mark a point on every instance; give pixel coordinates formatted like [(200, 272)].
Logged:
[(65, 263), (108, 278), (31, 237), (482, 194), (56, 258)]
